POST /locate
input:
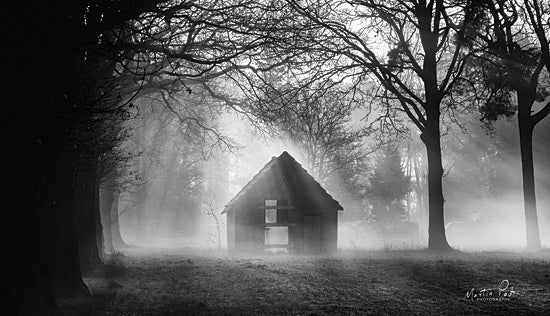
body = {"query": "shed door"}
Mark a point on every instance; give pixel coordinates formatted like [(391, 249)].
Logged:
[(312, 234)]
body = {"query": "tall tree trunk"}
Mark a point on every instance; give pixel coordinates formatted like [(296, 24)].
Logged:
[(41, 239), (86, 200), (436, 225), (60, 234), (525, 101), (99, 242), (431, 135), (118, 242), (26, 272), (107, 199)]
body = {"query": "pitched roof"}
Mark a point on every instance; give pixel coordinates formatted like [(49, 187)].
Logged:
[(284, 163)]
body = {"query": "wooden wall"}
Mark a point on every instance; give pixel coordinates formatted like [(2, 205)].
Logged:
[(249, 229)]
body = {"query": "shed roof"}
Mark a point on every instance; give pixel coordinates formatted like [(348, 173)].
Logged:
[(286, 167)]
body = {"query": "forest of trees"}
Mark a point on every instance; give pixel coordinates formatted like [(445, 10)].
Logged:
[(114, 110)]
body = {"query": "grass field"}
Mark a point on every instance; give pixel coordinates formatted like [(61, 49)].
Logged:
[(184, 281)]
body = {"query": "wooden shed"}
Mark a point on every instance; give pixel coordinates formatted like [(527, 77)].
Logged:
[(283, 209)]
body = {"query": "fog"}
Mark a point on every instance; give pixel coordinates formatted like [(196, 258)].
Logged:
[(223, 175), (483, 208)]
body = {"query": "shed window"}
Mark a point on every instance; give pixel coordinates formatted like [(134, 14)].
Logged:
[(270, 213)]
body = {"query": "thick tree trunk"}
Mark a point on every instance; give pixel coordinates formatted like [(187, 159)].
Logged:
[(118, 242), (27, 275), (25, 269), (40, 238), (99, 241), (525, 101), (86, 199), (107, 199), (436, 224), (431, 136), (60, 234)]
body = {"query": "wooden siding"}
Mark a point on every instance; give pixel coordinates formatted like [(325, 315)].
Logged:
[(249, 227), (250, 233)]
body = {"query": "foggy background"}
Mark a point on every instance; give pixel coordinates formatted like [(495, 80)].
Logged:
[(180, 177)]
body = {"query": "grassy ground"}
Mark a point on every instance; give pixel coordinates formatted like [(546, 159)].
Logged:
[(183, 282)]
